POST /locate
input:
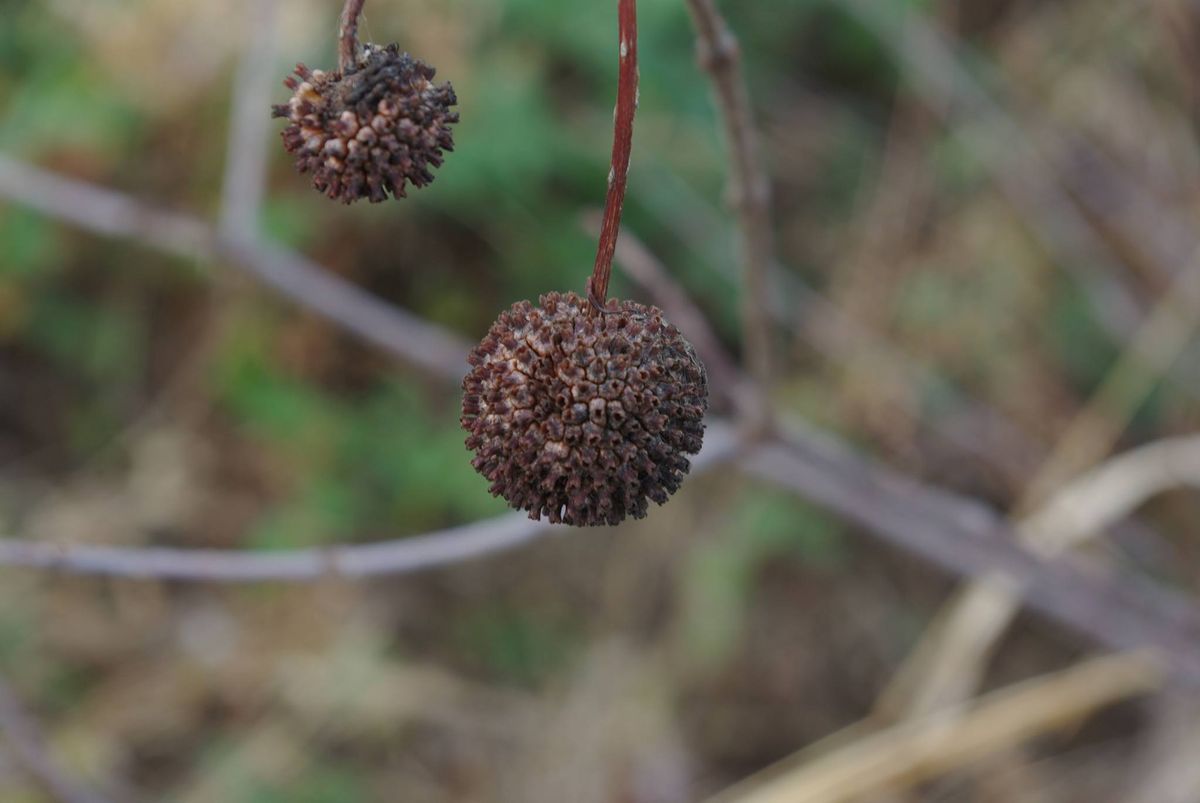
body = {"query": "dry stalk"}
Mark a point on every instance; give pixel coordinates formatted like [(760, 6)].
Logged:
[(904, 755), (750, 193), (348, 34)]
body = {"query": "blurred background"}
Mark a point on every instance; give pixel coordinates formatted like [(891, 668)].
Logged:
[(977, 207)]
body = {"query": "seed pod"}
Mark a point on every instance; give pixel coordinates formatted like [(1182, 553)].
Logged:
[(367, 132), (582, 416)]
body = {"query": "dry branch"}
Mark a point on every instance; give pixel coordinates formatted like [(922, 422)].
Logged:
[(356, 561), (348, 34), (412, 339), (955, 533), (244, 183), (719, 55)]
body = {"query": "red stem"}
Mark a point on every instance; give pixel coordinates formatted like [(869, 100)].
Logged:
[(627, 93)]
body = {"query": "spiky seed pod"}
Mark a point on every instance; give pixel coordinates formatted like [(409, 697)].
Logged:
[(365, 133), (583, 417)]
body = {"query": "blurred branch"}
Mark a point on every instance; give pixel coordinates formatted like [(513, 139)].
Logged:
[(905, 755), (397, 331), (393, 557), (399, 556), (242, 187), (966, 538), (948, 664), (719, 55), (29, 748), (1112, 490)]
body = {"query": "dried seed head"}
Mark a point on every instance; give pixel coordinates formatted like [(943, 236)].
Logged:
[(365, 133), (583, 417)]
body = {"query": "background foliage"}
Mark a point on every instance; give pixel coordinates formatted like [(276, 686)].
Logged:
[(149, 400)]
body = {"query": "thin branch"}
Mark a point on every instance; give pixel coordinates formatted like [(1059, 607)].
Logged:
[(242, 187), (750, 189), (440, 352), (348, 35), (29, 748), (618, 173), (357, 561), (394, 557)]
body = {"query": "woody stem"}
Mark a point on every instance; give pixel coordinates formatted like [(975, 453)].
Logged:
[(348, 34), (627, 81)]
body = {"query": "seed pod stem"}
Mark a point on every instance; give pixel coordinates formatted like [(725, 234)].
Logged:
[(348, 35), (627, 101)]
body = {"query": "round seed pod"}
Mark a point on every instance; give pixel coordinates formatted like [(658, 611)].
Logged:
[(366, 133), (583, 416)]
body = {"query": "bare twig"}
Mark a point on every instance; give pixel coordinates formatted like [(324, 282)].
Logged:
[(618, 173), (906, 754), (750, 190), (399, 556), (29, 747), (357, 561), (242, 187), (434, 349), (348, 34)]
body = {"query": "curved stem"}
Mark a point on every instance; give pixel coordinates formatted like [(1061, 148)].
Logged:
[(348, 34), (618, 175)]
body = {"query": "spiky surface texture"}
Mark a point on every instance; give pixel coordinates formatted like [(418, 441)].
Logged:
[(364, 134), (582, 416)]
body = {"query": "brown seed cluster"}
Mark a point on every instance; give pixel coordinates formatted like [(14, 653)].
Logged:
[(365, 133), (580, 415)]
